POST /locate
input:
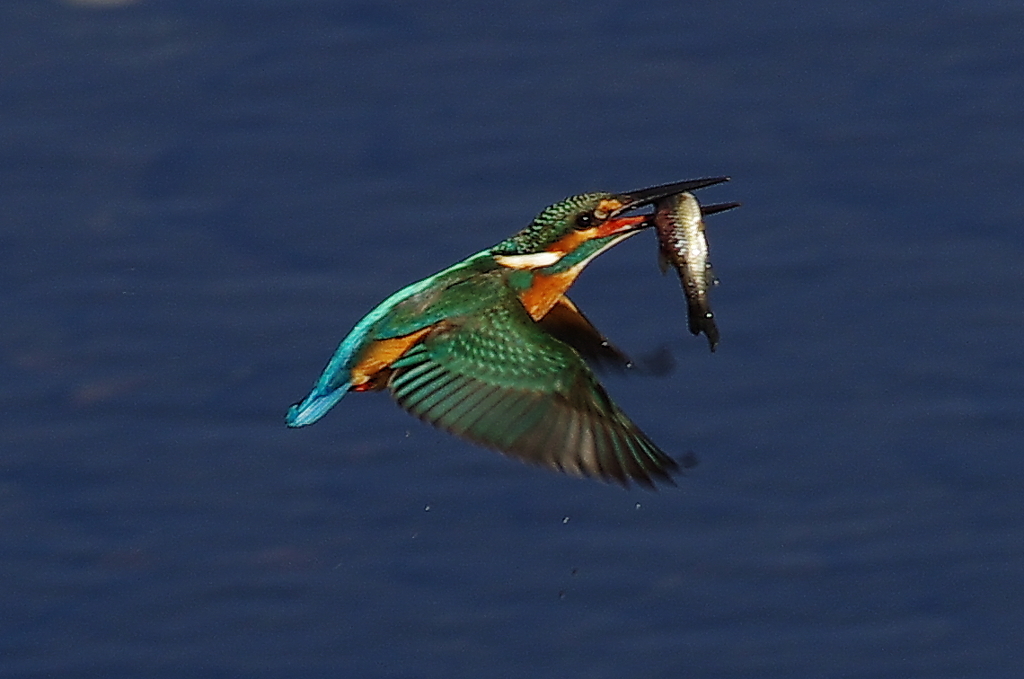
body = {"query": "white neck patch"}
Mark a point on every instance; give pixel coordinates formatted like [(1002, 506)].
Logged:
[(536, 260)]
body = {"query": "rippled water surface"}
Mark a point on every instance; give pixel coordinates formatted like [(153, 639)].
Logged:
[(199, 199)]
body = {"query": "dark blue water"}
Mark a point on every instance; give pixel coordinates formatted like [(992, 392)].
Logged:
[(198, 199)]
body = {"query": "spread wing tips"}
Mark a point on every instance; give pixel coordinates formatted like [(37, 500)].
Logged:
[(528, 426)]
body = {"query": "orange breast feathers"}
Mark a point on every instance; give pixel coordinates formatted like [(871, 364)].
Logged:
[(371, 370), (546, 291)]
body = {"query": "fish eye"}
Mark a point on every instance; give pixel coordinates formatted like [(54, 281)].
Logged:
[(585, 221)]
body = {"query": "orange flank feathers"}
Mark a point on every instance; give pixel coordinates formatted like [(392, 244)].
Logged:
[(379, 356)]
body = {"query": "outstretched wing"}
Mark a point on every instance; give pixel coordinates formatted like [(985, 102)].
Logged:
[(567, 323), (496, 378)]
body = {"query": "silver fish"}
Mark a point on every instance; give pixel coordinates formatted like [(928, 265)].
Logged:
[(682, 243)]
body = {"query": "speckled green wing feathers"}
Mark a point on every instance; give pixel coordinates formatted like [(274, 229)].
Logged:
[(498, 379)]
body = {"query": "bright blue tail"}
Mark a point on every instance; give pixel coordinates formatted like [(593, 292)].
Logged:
[(313, 407)]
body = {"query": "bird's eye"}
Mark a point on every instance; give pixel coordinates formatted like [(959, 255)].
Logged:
[(585, 221)]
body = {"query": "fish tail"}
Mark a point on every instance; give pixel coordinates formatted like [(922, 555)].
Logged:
[(701, 320)]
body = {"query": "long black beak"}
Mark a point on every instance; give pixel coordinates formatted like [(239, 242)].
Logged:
[(636, 199), (717, 207)]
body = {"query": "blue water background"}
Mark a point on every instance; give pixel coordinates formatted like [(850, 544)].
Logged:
[(198, 199)]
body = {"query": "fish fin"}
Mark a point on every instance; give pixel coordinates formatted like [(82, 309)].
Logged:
[(664, 262), (709, 275)]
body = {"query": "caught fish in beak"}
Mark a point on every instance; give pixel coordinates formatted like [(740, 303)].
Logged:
[(682, 243)]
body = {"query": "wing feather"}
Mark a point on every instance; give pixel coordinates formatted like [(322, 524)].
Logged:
[(498, 379)]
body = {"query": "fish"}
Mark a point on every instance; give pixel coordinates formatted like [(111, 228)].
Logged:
[(679, 222)]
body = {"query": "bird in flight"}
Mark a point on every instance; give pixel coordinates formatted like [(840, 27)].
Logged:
[(492, 350)]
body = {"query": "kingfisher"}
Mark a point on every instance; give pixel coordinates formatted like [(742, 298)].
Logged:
[(492, 350)]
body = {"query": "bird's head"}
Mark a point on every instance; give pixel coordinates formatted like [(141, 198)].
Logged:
[(567, 235)]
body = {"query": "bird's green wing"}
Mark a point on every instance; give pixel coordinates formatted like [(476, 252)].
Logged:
[(496, 378)]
